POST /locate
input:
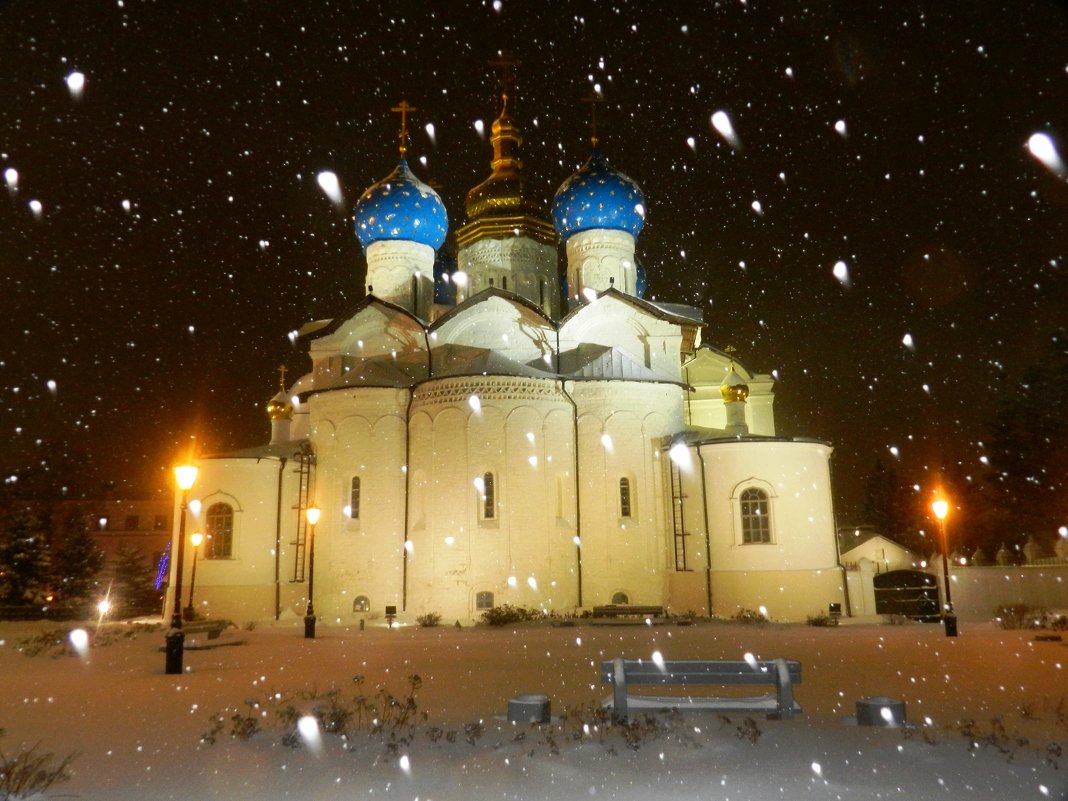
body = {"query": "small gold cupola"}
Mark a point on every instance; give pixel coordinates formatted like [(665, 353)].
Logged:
[(280, 407), (734, 392), (280, 411), (734, 388)]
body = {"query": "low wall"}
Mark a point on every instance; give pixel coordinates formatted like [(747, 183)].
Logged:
[(978, 591)]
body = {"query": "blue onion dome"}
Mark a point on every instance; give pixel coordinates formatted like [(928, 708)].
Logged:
[(400, 207), (598, 196)]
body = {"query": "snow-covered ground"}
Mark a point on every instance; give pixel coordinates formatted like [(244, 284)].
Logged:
[(138, 732)]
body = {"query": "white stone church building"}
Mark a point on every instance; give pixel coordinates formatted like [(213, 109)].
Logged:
[(477, 436)]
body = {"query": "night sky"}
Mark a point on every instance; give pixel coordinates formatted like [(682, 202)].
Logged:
[(162, 228)]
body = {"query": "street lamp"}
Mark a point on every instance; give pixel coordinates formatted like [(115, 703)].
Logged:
[(196, 538), (185, 475), (312, 513), (949, 619)]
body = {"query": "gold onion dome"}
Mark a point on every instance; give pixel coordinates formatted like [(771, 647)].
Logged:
[(280, 407), (499, 206), (734, 389)]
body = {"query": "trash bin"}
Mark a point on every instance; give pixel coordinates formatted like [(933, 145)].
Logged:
[(950, 622)]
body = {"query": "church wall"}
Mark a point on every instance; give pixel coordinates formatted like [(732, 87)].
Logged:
[(600, 259), (795, 574), (618, 424), (359, 434), (241, 587), (391, 267), (521, 550), (785, 595), (519, 264)]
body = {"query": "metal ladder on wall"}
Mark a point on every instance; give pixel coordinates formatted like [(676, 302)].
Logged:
[(299, 545), (677, 521)]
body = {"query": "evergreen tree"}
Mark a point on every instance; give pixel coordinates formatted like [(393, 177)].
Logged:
[(133, 582), (1027, 453), (891, 505), (76, 562), (24, 562)]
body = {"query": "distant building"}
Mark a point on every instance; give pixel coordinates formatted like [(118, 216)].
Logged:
[(143, 524), (476, 437), (865, 542)]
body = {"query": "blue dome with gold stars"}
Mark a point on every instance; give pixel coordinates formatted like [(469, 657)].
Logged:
[(400, 206), (598, 196)]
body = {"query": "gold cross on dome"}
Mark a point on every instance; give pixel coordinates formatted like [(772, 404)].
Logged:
[(403, 109), (593, 99), (282, 377), (506, 65)]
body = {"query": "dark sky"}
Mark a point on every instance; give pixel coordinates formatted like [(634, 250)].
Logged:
[(212, 120)]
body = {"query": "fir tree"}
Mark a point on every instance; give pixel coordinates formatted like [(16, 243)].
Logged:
[(1028, 472), (76, 562), (891, 505), (133, 581), (24, 563)]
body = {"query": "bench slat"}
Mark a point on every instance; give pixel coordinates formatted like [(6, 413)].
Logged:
[(780, 673), (701, 672)]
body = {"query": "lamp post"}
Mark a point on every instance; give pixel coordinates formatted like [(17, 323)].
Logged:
[(949, 619), (312, 513), (186, 475), (196, 538)]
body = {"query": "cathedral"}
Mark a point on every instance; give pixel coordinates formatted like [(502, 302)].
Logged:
[(505, 430)]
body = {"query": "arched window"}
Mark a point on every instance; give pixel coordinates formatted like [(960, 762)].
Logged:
[(354, 498), (624, 497), (361, 603), (219, 531), (756, 516), (483, 601), (620, 598), (489, 497)]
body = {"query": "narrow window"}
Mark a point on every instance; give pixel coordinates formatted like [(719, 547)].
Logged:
[(504, 282), (133, 522), (483, 601), (354, 498), (624, 497), (756, 521), (489, 497), (219, 528)]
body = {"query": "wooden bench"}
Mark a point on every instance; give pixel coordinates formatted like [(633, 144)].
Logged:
[(626, 613), (213, 628), (780, 673)]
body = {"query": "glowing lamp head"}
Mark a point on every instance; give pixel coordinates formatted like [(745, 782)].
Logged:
[(941, 509), (186, 476), (196, 538), (312, 513)]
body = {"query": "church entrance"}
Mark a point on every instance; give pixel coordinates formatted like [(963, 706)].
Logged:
[(911, 593)]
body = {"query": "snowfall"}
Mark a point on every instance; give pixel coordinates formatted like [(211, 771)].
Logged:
[(987, 713)]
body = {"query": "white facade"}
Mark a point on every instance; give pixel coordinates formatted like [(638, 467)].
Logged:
[(499, 454)]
